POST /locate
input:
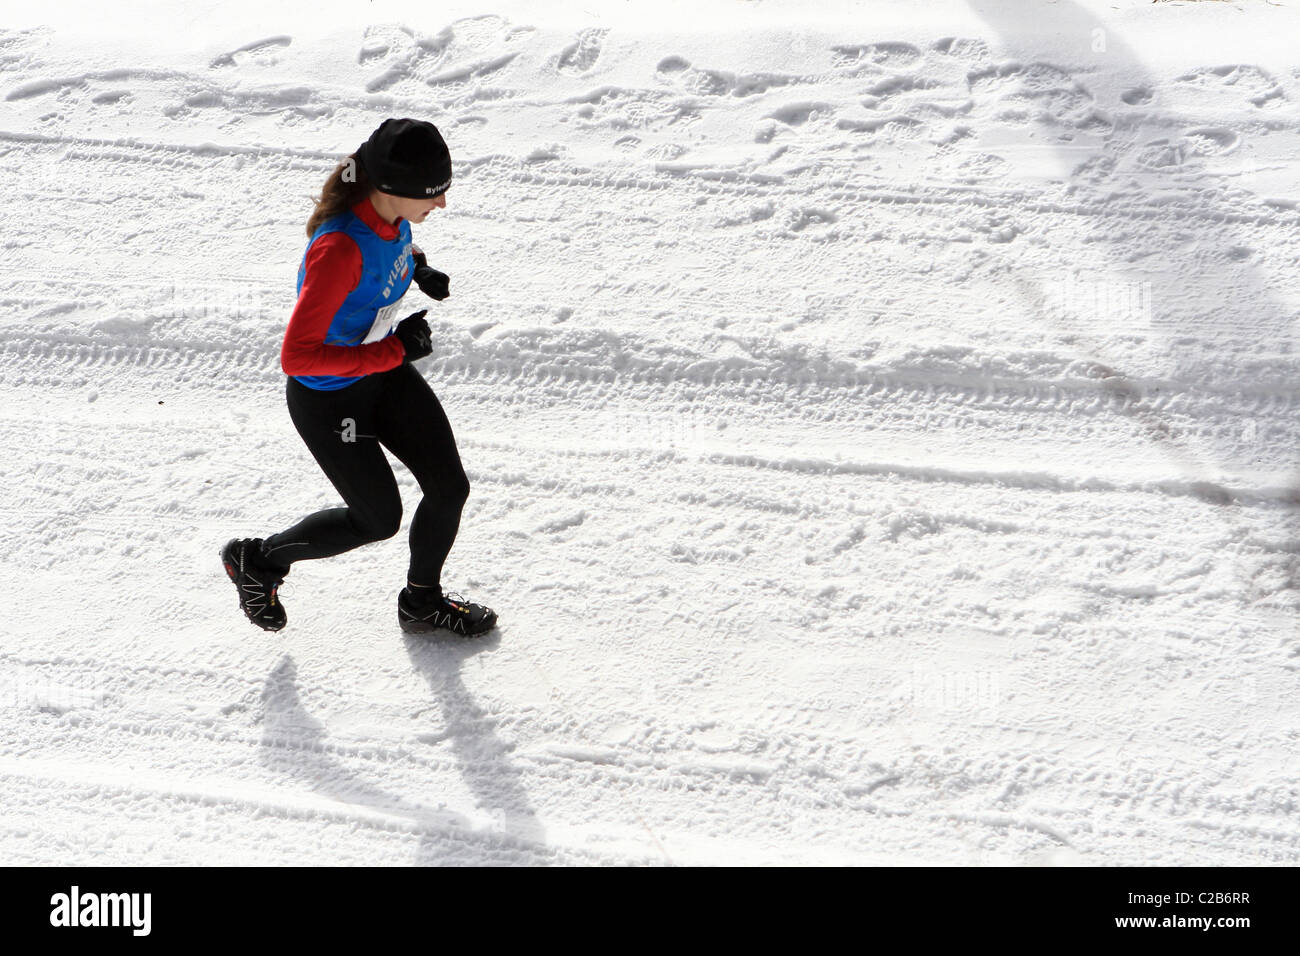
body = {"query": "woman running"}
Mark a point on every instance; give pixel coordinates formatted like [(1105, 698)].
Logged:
[(351, 386)]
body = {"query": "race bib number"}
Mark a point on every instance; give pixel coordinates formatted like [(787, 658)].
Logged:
[(385, 319)]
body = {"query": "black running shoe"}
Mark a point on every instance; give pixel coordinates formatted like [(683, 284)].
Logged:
[(257, 582), (448, 611)]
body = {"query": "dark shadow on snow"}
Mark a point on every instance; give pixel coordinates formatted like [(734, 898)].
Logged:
[(483, 756), (296, 745)]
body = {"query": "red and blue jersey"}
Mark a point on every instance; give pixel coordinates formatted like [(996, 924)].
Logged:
[(353, 273)]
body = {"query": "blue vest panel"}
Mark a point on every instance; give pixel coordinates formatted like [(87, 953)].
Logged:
[(368, 314)]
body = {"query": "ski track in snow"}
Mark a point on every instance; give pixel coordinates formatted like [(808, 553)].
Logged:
[(885, 452)]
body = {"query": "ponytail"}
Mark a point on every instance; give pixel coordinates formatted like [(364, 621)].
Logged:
[(346, 187)]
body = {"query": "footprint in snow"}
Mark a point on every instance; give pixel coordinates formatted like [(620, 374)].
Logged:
[(680, 73), (1138, 96), (259, 53), (1161, 154), (671, 66), (962, 48), (889, 55), (399, 53), (544, 154), (1049, 92), (581, 55), (1212, 140), (893, 129), (982, 166), (893, 85), (796, 114), (801, 219), (1259, 88), (561, 523)]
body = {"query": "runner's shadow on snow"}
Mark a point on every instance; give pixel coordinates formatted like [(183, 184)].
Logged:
[(471, 731), (297, 745)]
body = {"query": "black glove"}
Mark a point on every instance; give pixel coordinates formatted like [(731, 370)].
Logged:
[(416, 337), (432, 283)]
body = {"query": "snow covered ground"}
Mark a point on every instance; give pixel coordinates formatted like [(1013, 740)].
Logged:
[(882, 427)]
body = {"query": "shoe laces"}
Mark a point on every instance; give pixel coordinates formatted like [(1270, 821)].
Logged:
[(271, 584), (462, 605)]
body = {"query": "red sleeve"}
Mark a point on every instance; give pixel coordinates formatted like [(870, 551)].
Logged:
[(333, 270)]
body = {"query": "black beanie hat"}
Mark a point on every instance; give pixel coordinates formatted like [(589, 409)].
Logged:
[(407, 157)]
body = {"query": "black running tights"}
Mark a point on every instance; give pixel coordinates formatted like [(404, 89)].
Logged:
[(344, 429)]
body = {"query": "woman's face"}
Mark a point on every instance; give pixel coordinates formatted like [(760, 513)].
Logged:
[(416, 210)]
